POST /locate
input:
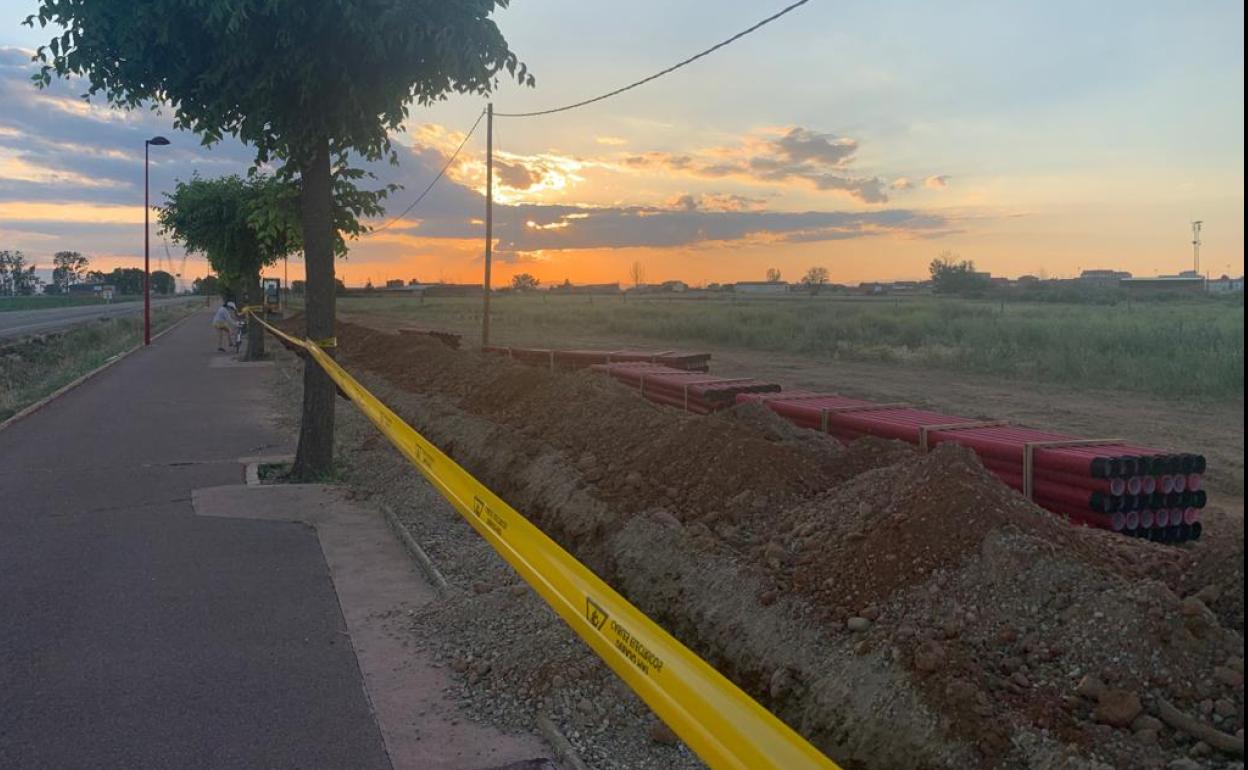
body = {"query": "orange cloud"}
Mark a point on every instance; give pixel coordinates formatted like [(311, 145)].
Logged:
[(774, 156), (93, 213)]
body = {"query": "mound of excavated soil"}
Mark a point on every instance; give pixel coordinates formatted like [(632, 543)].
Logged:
[(898, 609)]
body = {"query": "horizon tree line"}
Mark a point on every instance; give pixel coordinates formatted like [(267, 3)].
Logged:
[(18, 276)]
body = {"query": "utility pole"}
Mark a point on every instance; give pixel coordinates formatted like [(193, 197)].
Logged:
[(489, 221), (1196, 245), (159, 141)]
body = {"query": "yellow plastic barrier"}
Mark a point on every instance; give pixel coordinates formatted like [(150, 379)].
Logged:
[(726, 728)]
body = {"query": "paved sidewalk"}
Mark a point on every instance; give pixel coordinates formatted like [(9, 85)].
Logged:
[(134, 634)]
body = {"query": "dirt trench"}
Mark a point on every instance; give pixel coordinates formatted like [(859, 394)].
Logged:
[(899, 610)]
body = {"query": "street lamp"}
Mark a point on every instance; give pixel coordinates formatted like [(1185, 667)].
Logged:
[(159, 141)]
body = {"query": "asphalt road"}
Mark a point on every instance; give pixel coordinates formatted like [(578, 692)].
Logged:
[(18, 323), (136, 634)]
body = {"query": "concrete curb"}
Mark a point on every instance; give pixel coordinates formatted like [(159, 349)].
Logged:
[(251, 473), (564, 752), (41, 403), (440, 584)]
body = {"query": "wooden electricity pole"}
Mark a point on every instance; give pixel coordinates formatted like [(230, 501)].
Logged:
[(489, 221)]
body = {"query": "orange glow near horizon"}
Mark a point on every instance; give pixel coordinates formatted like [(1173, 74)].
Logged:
[(72, 213)]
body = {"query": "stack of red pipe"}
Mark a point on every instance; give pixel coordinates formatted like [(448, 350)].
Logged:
[(692, 391), (1139, 491), (580, 359)]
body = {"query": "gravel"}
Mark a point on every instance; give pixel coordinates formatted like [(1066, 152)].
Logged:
[(511, 656)]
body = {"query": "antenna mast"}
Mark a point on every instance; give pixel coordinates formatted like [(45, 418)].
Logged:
[(1196, 245)]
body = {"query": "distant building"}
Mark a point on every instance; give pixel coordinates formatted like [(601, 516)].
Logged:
[(674, 286), (395, 283), (586, 288), (1027, 279), (85, 288), (1108, 278), (760, 287), (1226, 285), (399, 286), (872, 287), (1169, 284), (449, 289), (905, 287)]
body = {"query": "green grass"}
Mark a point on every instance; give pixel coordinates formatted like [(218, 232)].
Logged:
[(44, 301), (1189, 348), (32, 368)]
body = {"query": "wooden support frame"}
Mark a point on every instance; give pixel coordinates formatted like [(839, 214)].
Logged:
[(927, 430)]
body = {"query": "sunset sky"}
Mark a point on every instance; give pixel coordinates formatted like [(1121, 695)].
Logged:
[(1037, 138)]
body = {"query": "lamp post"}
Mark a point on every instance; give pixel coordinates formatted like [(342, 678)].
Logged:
[(159, 141)]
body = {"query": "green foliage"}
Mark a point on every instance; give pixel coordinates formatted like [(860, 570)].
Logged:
[(34, 367), (1192, 348), (814, 279), (17, 278), (207, 286), (276, 218), (234, 223), (163, 283), (950, 275), (281, 75), (126, 280), (44, 301), (524, 282), (306, 82), (69, 267)]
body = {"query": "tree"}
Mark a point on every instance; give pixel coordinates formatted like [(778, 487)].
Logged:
[(68, 267), (234, 223), (126, 280), (163, 283), (304, 81), (953, 275), (773, 275), (207, 286), (524, 282), (94, 276), (6, 275), (815, 279), (16, 277), (638, 273)]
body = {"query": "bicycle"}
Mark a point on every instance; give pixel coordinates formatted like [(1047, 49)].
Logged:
[(240, 335)]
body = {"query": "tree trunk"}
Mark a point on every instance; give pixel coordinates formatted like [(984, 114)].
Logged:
[(255, 332), (314, 458)]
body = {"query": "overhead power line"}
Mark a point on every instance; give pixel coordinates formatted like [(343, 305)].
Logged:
[(660, 73), (422, 195)]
